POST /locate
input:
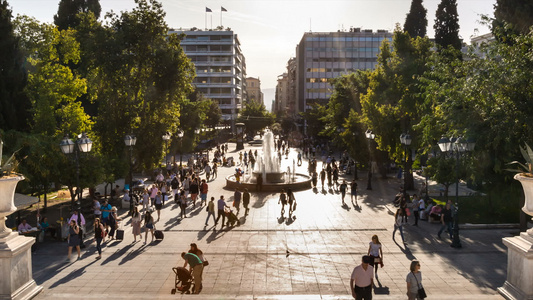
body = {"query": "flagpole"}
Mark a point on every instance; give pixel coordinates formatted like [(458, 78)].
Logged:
[(205, 19), (211, 21)]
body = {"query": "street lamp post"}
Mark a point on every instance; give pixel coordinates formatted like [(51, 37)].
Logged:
[(180, 136), (68, 147), (166, 138), (457, 146), (406, 140), (130, 141), (370, 136)]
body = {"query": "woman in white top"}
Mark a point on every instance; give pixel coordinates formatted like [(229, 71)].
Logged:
[(375, 251), (414, 281)]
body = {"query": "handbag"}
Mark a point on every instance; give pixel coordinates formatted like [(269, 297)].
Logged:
[(205, 263), (207, 209), (421, 291)]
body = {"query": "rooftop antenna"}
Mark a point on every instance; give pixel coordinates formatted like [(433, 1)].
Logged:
[(310, 25)]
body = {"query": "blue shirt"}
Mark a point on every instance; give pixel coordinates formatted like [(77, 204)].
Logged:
[(105, 214)]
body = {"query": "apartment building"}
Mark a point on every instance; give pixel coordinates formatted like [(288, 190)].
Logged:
[(321, 56), (220, 68), (253, 90)]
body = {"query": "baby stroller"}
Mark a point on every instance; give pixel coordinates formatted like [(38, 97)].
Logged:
[(183, 277), (232, 218)]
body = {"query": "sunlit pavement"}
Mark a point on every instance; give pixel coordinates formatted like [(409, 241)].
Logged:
[(308, 256)]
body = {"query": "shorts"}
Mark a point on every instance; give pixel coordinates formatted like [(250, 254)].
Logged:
[(203, 197), (158, 206)]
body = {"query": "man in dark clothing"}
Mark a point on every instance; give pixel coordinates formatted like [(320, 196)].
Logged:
[(446, 219)]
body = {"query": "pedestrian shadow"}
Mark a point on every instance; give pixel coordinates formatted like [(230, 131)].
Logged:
[(380, 289), (346, 207), (117, 254), (242, 220), (215, 235), (194, 211), (357, 207), (74, 275), (405, 250), (290, 220), (261, 199), (133, 254), (324, 192)]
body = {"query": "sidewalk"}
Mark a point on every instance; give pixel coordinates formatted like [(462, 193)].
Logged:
[(324, 242)]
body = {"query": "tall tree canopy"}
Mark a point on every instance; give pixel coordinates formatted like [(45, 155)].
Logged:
[(518, 14), (416, 22), (391, 106), (68, 10), (255, 117), (14, 103), (447, 25), (140, 76)]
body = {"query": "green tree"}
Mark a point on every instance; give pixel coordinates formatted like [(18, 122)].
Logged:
[(15, 105), (68, 10), (140, 77), (416, 22), (447, 25), (517, 13), (255, 117), (391, 106), (52, 87)]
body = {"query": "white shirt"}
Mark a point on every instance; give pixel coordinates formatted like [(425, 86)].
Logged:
[(374, 249), (361, 277), (75, 218), (97, 206)]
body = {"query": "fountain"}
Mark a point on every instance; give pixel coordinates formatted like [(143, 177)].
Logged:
[(268, 167)]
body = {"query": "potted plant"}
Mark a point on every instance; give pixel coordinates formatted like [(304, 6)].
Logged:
[(525, 176), (8, 182)]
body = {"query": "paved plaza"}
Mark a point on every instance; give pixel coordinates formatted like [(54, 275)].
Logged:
[(310, 256)]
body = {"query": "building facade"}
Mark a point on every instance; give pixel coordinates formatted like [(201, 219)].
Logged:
[(285, 99), (220, 68), (253, 90), (321, 56)]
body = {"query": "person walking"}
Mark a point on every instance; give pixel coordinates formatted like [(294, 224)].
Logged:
[(415, 207), (96, 208), (314, 179), (291, 200), (446, 219), (237, 200), (362, 280), (221, 204), (414, 281), (211, 211), (158, 202), (153, 194), (73, 238), (146, 200), (196, 251), (283, 201), (80, 221), (353, 191), (375, 250), (99, 235), (194, 189), (343, 188), (204, 188), (196, 267), (183, 204), (398, 224), (246, 200), (136, 224), (148, 226), (322, 177), (113, 222)]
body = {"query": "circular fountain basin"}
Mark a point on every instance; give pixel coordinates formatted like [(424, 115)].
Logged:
[(300, 182)]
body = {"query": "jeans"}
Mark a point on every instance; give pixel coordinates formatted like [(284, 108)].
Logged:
[(449, 225), (210, 214), (417, 216), (396, 227), (99, 245)]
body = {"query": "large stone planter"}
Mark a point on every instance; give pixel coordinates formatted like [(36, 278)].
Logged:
[(15, 250), (519, 283)]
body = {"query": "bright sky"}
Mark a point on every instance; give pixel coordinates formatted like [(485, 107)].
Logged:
[(269, 30)]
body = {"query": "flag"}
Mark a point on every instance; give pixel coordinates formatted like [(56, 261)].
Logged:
[(207, 9), (223, 9)]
